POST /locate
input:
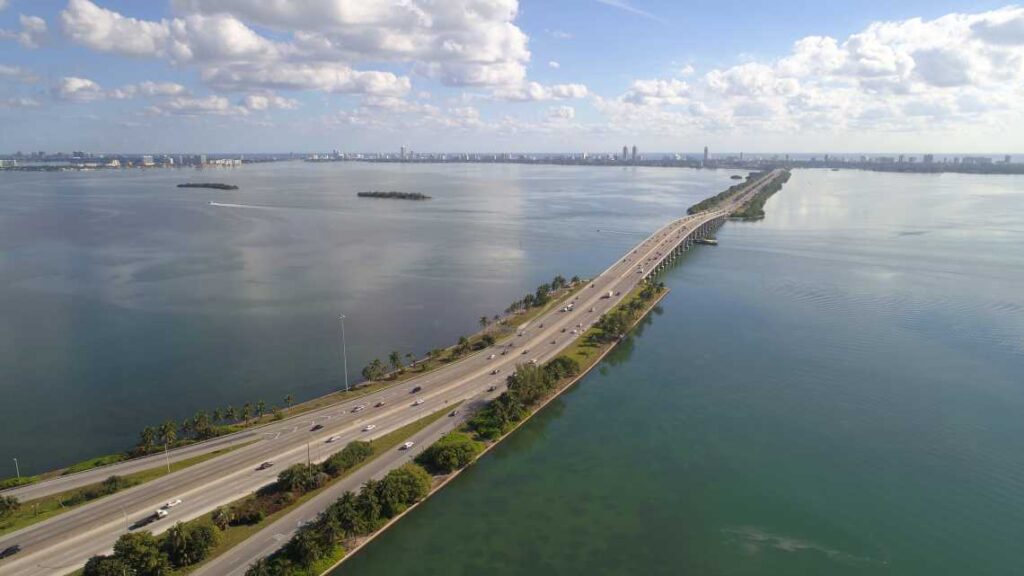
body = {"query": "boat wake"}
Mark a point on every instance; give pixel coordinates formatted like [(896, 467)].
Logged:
[(228, 205)]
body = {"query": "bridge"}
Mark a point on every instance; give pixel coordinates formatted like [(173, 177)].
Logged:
[(63, 543)]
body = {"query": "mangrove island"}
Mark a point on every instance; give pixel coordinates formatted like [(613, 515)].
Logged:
[(394, 195), (214, 185)]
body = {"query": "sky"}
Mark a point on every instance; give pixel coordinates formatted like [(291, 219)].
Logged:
[(229, 76)]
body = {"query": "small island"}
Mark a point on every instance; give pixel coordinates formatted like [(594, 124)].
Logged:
[(393, 195), (214, 185)]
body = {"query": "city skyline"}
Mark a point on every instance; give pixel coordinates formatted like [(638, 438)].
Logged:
[(234, 76)]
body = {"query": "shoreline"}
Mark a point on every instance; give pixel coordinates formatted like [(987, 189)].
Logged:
[(442, 481), (299, 409)]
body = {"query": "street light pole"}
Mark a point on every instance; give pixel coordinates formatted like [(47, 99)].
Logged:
[(344, 350), (166, 460), (16, 469)]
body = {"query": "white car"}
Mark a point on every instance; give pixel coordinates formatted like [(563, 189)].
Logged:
[(161, 513), (172, 503), (418, 402), (491, 357), (333, 439), (359, 408), (369, 427), (407, 445)]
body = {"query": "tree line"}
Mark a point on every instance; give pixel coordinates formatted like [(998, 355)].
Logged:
[(203, 425), (709, 203), (754, 210), (542, 295), (526, 388), (615, 323), (352, 515), (142, 554)]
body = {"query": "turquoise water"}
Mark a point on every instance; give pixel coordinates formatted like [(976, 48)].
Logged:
[(835, 390), (125, 301)]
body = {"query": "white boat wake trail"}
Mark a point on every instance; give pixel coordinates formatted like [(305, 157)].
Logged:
[(227, 205)]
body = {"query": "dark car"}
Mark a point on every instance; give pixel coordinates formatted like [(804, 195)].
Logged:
[(10, 551), (378, 404), (265, 465), (316, 427), (416, 389)]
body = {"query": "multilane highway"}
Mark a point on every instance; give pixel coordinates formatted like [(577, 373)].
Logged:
[(63, 543)]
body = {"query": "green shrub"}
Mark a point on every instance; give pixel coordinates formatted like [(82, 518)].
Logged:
[(453, 451)]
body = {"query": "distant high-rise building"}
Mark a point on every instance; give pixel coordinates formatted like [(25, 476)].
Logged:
[(147, 160), (1006, 159), (634, 153), (403, 153), (929, 158), (625, 153), (901, 159), (705, 154), (202, 159)]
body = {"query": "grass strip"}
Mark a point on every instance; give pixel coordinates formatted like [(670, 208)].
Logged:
[(234, 535)]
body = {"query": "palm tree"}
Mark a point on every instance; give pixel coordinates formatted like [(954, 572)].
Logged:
[(147, 438), (484, 321), (261, 407), (169, 432), (410, 359), (186, 427), (178, 545), (217, 415), (246, 410), (288, 401), (201, 422), (260, 567), (229, 413), (395, 359)]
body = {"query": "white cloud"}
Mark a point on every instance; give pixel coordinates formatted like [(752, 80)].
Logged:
[(960, 69), (536, 92), (327, 77), (687, 70), (107, 31), (32, 33), (76, 89), (198, 106), (658, 92), (460, 42), (230, 54), (261, 102), (147, 89), (559, 34), (561, 112), (554, 65), (18, 74), (20, 102)]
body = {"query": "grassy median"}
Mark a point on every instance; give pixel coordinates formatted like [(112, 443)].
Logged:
[(234, 535), (34, 511)]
